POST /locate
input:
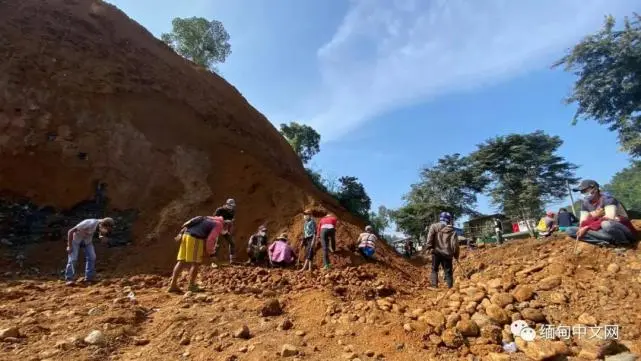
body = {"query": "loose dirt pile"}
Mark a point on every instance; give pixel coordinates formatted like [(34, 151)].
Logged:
[(356, 313)]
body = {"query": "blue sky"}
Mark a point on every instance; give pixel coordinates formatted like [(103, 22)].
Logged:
[(394, 85)]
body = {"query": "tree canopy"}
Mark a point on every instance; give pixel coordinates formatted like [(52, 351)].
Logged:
[(525, 171), (379, 220), (451, 185), (626, 186), (204, 42), (304, 139), (352, 196), (608, 88)]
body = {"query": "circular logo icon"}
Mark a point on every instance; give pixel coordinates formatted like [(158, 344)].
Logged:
[(517, 326), (528, 334)]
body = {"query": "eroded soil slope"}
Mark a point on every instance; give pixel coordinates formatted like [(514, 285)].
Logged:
[(88, 96)]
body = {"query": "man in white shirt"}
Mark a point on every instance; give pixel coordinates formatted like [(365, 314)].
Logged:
[(82, 236)]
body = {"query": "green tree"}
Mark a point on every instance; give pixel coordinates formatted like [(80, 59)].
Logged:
[(525, 171), (379, 220), (451, 185), (626, 186), (204, 42), (352, 196), (608, 88), (303, 138)]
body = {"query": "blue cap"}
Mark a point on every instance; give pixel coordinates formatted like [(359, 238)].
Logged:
[(445, 217)]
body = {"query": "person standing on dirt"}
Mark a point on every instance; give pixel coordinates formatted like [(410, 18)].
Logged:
[(228, 212), (327, 234), (309, 244), (197, 235), (81, 236), (442, 243), (498, 230), (257, 246), (603, 218)]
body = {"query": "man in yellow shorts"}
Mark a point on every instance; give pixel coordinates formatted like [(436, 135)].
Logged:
[(196, 235)]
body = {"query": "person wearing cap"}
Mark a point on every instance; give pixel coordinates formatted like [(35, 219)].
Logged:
[(257, 246), (547, 225), (197, 236), (281, 253), (367, 243), (81, 236), (228, 212), (309, 244), (327, 233), (603, 218), (442, 243)]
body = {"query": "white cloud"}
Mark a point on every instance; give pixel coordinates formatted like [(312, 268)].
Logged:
[(389, 54)]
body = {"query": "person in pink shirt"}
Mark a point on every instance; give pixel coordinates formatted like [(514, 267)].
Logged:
[(281, 253)]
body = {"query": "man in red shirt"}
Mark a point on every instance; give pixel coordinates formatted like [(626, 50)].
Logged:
[(327, 234)]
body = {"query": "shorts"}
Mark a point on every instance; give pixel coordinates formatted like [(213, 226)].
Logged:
[(191, 249)]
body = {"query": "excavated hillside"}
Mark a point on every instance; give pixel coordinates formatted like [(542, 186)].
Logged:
[(98, 117)]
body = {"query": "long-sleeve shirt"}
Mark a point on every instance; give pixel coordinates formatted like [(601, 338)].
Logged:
[(327, 222), (309, 228), (610, 205), (280, 251), (367, 240)]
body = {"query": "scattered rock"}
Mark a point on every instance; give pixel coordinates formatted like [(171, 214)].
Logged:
[(185, 341), (533, 314), (97, 311), (300, 333), (286, 324), (408, 328), (626, 356), (400, 346), (243, 349), (452, 320), (502, 299), (370, 353), (350, 356), (613, 268), (9, 332), (497, 314), (493, 333), (141, 341), (587, 319), (95, 337), (468, 328), (452, 338), (242, 332), (288, 350), (271, 308), (434, 318), (481, 319), (540, 350), (558, 298), (523, 293), (550, 283)]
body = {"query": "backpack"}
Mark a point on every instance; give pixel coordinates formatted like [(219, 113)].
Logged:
[(542, 227)]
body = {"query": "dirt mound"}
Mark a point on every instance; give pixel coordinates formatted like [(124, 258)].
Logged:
[(337, 314), (92, 100)]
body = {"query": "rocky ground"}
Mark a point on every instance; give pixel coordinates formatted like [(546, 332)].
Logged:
[(367, 312)]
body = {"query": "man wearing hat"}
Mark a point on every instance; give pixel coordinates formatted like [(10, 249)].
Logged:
[(81, 236), (281, 253), (228, 212), (257, 246), (603, 218), (442, 243)]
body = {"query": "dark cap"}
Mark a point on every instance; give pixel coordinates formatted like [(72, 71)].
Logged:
[(585, 184)]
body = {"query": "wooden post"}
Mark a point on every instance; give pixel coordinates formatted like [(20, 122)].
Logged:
[(567, 182)]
